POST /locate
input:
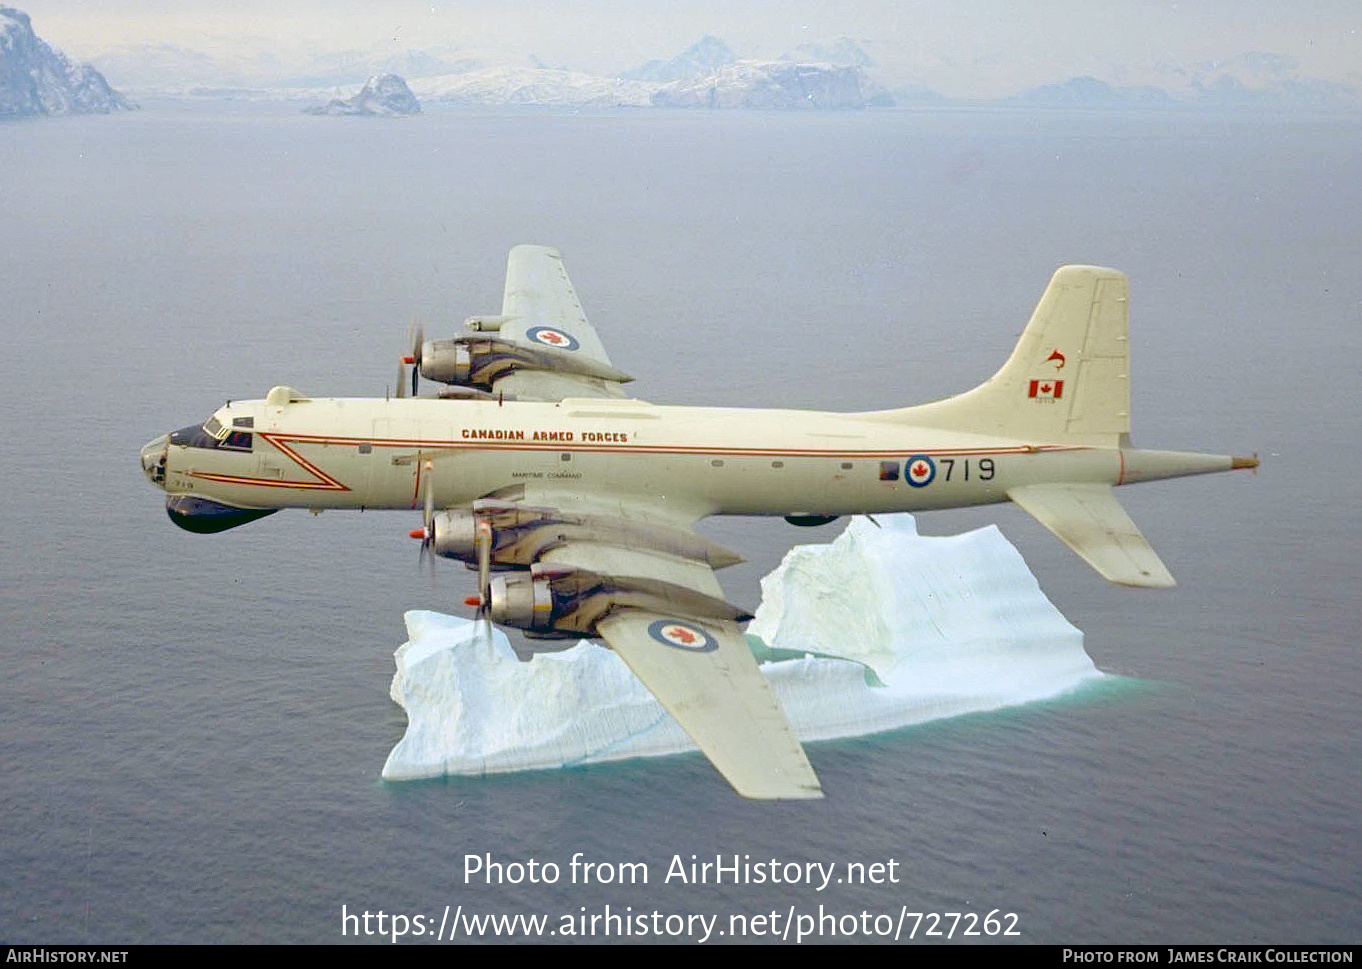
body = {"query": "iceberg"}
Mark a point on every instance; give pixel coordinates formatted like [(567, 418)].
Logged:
[(880, 629)]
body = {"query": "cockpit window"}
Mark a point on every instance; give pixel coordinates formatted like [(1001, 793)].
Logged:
[(213, 434)]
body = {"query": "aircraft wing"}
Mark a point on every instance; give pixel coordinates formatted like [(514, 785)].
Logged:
[(540, 310), (699, 667), (1089, 519)]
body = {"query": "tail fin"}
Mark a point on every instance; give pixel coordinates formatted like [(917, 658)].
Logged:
[(1068, 378), (1068, 383)]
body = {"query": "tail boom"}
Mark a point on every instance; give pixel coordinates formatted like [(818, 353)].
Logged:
[(1138, 464)]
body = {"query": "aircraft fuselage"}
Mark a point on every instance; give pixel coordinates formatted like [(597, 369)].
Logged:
[(374, 453)]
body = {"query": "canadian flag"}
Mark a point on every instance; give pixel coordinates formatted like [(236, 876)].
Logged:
[(1046, 389)]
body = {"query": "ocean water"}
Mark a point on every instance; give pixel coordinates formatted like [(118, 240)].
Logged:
[(192, 728)]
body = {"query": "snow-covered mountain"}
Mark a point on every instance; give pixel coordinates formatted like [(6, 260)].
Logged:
[(833, 73), (382, 94), (533, 86), (37, 80), (774, 85), (842, 51), (1265, 78), (702, 58), (1090, 92), (742, 84), (1231, 84)]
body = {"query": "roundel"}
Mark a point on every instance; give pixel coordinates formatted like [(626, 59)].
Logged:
[(682, 635), (552, 337), (919, 470)]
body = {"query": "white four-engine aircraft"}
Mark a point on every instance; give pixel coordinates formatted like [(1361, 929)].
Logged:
[(535, 465)]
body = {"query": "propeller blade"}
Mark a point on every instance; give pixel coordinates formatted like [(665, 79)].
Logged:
[(426, 533), (482, 539), (428, 516), (417, 333)]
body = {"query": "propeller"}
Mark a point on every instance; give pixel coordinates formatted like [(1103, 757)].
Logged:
[(482, 541), (426, 533), (416, 334), (418, 339)]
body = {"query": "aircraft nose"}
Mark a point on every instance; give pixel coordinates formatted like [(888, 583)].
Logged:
[(154, 460)]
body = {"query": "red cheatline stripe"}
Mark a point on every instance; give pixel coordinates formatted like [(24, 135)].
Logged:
[(325, 482)]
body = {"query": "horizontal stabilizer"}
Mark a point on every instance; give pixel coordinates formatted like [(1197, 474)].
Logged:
[(1089, 519)]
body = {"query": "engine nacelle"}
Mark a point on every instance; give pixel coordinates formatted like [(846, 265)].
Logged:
[(446, 361), (454, 535), (562, 600), (518, 534), (480, 361), (523, 600), (456, 531)]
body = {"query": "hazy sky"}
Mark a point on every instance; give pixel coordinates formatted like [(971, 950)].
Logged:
[(991, 39)]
